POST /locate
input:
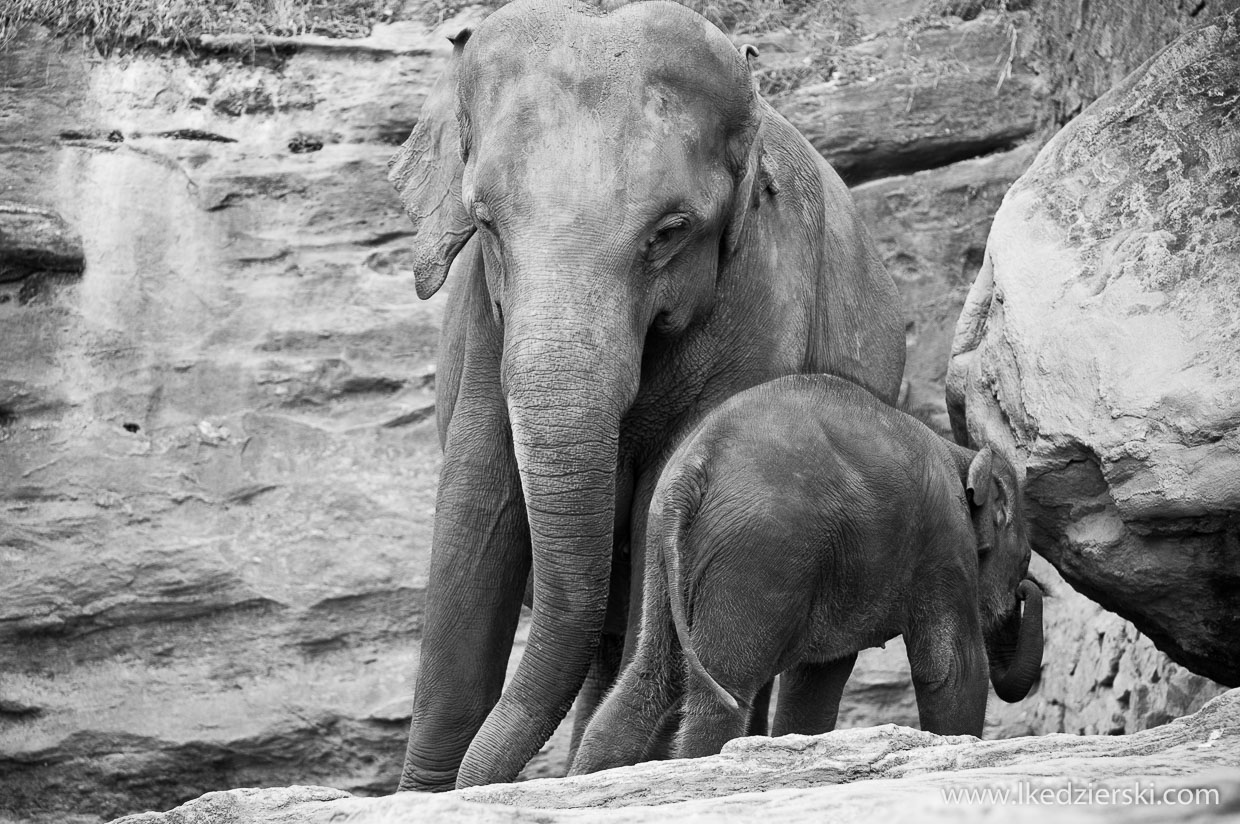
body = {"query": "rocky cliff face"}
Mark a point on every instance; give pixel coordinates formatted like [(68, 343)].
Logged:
[(1079, 50), (217, 449), (1100, 341), (219, 460)]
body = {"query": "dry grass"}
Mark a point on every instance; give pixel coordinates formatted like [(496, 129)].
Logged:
[(734, 16), (117, 23), (112, 23), (827, 25)]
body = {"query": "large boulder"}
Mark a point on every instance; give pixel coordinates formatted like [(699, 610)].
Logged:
[(1101, 341), (1186, 770)]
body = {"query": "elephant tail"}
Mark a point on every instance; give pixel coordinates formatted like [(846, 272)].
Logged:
[(680, 506)]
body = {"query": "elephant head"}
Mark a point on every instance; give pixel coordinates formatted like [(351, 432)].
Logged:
[(606, 165), (1013, 639)]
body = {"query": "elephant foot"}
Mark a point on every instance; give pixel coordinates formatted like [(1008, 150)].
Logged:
[(415, 779)]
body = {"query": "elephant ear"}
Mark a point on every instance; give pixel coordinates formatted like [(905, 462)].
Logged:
[(747, 150), (980, 487), (979, 483), (992, 495), (427, 175)]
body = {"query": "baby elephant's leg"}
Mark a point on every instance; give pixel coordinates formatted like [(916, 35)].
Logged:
[(947, 659), (706, 722), (620, 732), (809, 696), (759, 718), (739, 649), (662, 745)]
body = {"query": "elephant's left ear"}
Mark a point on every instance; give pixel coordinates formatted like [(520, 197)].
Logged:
[(427, 174)]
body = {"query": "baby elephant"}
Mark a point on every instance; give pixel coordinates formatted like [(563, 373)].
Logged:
[(805, 520)]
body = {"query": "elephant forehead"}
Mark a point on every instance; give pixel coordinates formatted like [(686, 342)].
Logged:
[(606, 61), (541, 151), (610, 120)]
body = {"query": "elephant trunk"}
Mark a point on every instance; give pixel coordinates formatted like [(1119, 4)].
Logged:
[(1016, 650), (570, 374)]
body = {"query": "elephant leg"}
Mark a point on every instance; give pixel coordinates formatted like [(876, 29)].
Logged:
[(662, 744), (603, 673), (480, 559), (947, 659), (809, 696), (621, 731), (760, 717), (618, 630), (747, 622), (706, 723), (718, 637)]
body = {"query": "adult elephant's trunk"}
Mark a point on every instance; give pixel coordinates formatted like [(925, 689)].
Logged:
[(570, 373), (1016, 650)]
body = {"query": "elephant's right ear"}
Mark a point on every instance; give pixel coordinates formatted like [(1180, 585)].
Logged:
[(427, 174)]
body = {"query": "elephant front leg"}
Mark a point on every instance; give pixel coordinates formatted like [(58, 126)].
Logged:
[(948, 664), (480, 560), (603, 672), (624, 606), (622, 730), (809, 696)]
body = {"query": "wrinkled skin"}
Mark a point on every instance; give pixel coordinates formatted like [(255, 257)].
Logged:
[(633, 236), (804, 521)]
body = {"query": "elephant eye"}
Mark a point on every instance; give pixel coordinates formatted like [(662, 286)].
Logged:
[(666, 236), (482, 216)]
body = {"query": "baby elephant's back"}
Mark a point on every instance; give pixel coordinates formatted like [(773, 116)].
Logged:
[(818, 456)]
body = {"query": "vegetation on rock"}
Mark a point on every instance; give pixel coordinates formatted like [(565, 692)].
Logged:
[(115, 23)]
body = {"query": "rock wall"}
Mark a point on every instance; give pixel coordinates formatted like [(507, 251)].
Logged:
[(217, 448), (1081, 48)]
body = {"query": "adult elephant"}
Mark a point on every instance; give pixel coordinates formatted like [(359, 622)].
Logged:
[(634, 236)]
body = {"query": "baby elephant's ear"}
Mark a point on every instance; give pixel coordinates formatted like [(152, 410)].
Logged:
[(980, 477), (427, 174)]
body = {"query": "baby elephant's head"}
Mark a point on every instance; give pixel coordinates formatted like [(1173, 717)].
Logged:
[(1013, 640)]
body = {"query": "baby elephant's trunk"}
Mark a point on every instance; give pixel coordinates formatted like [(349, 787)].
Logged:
[(1016, 651)]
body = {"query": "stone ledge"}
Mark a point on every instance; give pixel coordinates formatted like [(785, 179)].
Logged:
[(885, 773)]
